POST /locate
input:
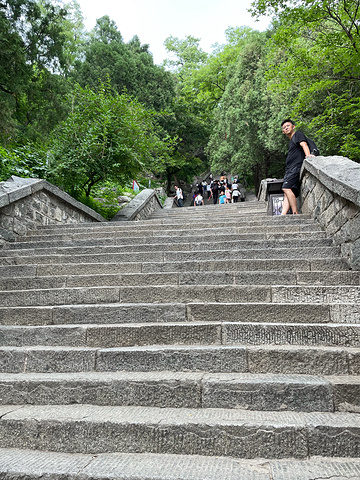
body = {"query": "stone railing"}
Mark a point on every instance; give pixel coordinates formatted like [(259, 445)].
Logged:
[(26, 203), (140, 207), (330, 193)]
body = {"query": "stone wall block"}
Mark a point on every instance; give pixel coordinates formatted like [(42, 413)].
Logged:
[(140, 207), (338, 221), (20, 192), (331, 194), (351, 229), (327, 216), (326, 199), (346, 251), (35, 202), (311, 204), (355, 254), (7, 222), (4, 199), (305, 188), (19, 228), (45, 209)]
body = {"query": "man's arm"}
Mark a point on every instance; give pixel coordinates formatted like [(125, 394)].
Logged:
[(306, 149)]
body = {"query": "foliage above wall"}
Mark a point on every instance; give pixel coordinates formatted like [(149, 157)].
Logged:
[(220, 110)]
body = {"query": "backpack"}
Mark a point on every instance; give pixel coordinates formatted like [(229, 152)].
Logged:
[(312, 146)]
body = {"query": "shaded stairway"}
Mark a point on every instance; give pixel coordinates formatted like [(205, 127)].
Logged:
[(214, 343)]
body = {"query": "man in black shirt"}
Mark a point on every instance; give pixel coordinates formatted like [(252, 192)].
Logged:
[(214, 191), (298, 150)]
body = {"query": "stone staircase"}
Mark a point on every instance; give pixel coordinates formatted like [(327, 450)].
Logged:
[(201, 344)]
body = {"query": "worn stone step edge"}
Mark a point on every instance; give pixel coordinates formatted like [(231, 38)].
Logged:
[(193, 229), (208, 222), (34, 464), (280, 359), (104, 239), (179, 312), (248, 265), (209, 216), (190, 244), (182, 294), (186, 390), (223, 432), (269, 277), (171, 256), (162, 236), (214, 332)]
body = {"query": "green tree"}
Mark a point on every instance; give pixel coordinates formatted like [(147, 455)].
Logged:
[(33, 56), (320, 45), (130, 66), (246, 138), (189, 116), (107, 136)]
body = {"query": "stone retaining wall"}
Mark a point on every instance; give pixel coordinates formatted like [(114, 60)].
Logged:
[(330, 192), (26, 203), (140, 207)]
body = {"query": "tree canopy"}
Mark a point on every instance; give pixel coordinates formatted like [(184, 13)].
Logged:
[(106, 136)]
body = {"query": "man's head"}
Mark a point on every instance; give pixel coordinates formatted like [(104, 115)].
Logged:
[(288, 127)]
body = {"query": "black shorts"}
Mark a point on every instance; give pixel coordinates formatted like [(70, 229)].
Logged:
[(292, 181)]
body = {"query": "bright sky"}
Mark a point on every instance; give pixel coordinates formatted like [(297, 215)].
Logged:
[(155, 20)]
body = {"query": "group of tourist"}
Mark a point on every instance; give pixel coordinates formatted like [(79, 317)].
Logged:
[(220, 191)]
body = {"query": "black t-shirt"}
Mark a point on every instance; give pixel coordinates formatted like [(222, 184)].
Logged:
[(296, 155)]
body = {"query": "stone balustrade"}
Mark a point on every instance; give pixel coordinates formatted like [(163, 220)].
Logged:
[(141, 207), (26, 203), (330, 193)]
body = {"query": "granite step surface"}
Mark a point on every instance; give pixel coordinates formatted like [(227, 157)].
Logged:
[(264, 392), (243, 239), (215, 332), (187, 225), (324, 266), (36, 465), (175, 256), (112, 246), (255, 359), (211, 432), (182, 294), (194, 340), (270, 277), (135, 313)]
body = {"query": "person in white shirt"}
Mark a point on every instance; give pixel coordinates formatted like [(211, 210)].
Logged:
[(199, 200), (179, 196)]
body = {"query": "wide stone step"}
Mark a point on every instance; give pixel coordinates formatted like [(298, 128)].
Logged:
[(260, 392), (174, 256), (215, 332), (328, 265), (207, 225), (270, 277), (179, 312), (165, 244), (27, 464), (210, 432), (280, 359), (209, 217), (212, 217), (106, 313), (101, 239), (182, 294)]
